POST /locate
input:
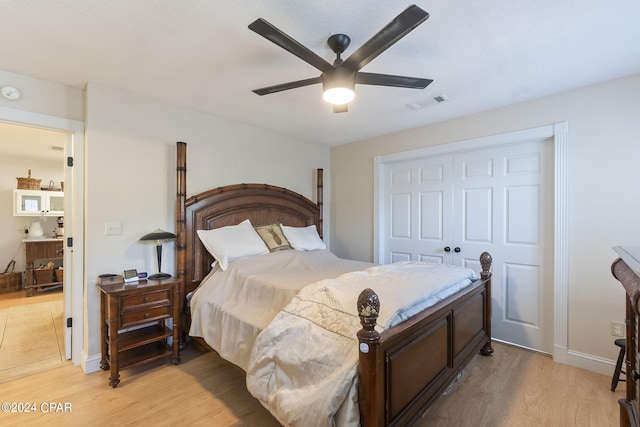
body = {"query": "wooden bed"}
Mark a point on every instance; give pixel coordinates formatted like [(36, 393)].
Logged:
[(402, 370)]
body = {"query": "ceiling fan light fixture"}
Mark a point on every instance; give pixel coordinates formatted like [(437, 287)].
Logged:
[(338, 86), (338, 95)]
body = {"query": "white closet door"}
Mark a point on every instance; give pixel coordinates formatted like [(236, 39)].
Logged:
[(451, 208), (417, 206), (501, 206)]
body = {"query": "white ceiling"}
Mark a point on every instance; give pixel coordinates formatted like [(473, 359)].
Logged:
[(20, 142), (200, 54)]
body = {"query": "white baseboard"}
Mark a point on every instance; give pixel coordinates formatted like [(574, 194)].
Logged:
[(584, 361), (575, 358), (90, 363)]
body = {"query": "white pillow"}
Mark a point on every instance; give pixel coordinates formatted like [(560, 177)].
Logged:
[(303, 238), (232, 242)]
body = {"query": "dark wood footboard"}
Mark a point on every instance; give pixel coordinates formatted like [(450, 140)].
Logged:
[(404, 369)]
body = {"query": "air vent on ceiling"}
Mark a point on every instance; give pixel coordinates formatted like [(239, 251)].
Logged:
[(415, 106)]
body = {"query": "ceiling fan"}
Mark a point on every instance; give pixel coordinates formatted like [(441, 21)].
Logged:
[(339, 80)]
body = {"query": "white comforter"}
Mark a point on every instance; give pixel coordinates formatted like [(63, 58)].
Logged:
[(303, 366), (231, 307)]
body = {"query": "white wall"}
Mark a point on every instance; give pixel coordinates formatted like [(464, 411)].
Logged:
[(603, 156), (130, 176)]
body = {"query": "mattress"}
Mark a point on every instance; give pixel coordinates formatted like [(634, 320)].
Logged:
[(230, 308)]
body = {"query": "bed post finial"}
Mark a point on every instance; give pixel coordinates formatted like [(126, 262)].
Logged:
[(368, 311), (485, 262)]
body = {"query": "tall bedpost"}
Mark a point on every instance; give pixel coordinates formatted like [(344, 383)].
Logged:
[(319, 199), (371, 410), (181, 195), (485, 262)]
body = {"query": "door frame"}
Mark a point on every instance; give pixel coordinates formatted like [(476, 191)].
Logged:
[(74, 185), (559, 133)]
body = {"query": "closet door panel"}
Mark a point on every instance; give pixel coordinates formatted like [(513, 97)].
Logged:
[(477, 216), (417, 204)]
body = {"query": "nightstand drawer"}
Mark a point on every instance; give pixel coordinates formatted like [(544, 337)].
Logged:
[(131, 318), (148, 297)]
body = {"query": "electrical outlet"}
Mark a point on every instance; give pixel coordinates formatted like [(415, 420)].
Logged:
[(618, 329)]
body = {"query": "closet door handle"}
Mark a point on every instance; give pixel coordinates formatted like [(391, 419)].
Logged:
[(456, 249), (447, 249)]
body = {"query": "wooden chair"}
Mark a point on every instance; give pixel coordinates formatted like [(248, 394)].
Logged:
[(622, 343)]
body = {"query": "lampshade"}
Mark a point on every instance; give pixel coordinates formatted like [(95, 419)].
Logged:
[(158, 236), (338, 86)]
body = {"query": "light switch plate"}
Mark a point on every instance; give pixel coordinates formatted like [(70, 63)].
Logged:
[(112, 227)]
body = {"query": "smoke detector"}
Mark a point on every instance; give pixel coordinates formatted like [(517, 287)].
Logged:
[(11, 93)]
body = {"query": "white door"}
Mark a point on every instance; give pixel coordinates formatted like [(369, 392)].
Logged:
[(418, 202), (451, 208)]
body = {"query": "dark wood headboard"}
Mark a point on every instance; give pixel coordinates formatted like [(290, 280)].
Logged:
[(230, 205)]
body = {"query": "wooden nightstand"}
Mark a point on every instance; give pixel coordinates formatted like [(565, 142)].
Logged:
[(124, 306)]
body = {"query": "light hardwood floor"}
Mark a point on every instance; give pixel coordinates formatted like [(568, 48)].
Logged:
[(514, 387), (31, 333), (12, 299)]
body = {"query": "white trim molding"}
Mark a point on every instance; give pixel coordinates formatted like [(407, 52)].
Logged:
[(561, 243), (91, 363)]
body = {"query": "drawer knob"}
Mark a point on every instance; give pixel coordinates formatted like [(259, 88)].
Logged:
[(147, 315), (146, 299)]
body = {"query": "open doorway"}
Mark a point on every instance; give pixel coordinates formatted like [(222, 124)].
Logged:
[(32, 338), (71, 134)]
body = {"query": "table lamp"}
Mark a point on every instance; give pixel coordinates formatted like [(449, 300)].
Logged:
[(159, 237)]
